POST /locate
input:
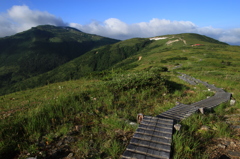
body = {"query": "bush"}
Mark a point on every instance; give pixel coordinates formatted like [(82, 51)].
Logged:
[(137, 81), (177, 58)]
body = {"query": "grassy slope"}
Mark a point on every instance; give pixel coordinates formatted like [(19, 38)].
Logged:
[(102, 107), (107, 57), (95, 60), (42, 49)]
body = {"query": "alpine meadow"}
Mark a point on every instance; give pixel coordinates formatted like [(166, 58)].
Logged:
[(68, 94)]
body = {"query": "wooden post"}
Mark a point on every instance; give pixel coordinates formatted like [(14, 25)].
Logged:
[(139, 118), (232, 102), (201, 110), (177, 127)]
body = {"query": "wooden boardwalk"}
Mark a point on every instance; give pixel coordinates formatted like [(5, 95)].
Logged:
[(152, 139), (179, 112), (220, 95)]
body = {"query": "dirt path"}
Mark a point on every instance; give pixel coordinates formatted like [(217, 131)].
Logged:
[(173, 41)]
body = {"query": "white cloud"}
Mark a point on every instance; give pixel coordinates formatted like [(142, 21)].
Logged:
[(20, 18), (231, 36), (115, 28), (6, 26), (210, 31), (112, 27)]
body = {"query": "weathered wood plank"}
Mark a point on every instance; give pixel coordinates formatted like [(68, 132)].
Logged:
[(127, 154), (156, 124), (159, 120), (142, 152), (158, 139), (155, 128), (154, 133)]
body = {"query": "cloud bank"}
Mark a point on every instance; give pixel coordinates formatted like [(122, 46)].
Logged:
[(115, 28), (20, 18)]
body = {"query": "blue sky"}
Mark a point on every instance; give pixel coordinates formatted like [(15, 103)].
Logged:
[(123, 19)]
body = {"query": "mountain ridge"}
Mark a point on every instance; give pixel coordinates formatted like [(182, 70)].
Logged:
[(112, 57), (41, 49), (109, 55)]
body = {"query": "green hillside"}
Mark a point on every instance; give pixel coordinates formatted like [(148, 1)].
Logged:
[(93, 117), (96, 60), (42, 49), (112, 56)]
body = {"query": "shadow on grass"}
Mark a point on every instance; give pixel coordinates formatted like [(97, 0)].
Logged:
[(173, 86)]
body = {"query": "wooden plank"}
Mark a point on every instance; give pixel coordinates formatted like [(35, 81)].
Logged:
[(159, 146), (154, 133), (151, 144), (155, 119), (142, 136), (142, 152), (158, 120), (150, 157), (180, 114), (141, 149), (127, 154), (139, 156), (157, 153), (152, 128), (169, 117), (156, 124), (158, 139), (134, 155)]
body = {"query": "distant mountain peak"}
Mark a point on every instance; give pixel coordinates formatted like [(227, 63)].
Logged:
[(41, 49), (55, 27), (70, 28)]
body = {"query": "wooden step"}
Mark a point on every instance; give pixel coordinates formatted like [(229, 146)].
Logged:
[(151, 140)]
